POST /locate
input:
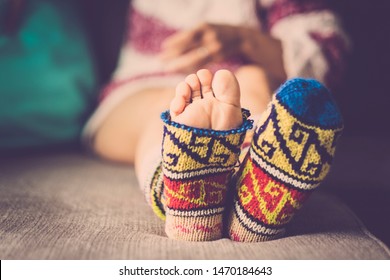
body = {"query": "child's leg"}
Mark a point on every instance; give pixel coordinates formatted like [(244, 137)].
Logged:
[(132, 133)]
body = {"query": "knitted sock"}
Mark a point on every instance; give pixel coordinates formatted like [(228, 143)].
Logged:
[(291, 153), (154, 189), (197, 166)]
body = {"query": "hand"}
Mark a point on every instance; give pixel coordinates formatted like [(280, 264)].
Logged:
[(190, 50)]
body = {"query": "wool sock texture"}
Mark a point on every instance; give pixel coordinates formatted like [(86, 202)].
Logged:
[(197, 165), (154, 190), (290, 155)]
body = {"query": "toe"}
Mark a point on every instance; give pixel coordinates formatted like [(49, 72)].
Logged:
[(194, 83), (225, 87), (181, 99), (310, 101), (205, 78)]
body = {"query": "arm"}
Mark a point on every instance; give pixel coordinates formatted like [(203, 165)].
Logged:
[(313, 40), (192, 49)]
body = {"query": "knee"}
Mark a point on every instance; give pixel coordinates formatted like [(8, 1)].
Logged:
[(257, 76), (251, 72)]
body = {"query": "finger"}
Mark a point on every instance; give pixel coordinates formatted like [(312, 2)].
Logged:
[(179, 38), (179, 43), (191, 60), (186, 36)]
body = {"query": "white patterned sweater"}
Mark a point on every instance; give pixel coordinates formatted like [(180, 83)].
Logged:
[(314, 43)]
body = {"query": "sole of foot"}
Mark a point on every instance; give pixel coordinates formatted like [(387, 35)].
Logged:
[(208, 101)]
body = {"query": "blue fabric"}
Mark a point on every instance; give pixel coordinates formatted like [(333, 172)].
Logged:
[(310, 101), (47, 77)]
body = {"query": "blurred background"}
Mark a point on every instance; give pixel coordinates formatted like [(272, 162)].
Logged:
[(360, 173)]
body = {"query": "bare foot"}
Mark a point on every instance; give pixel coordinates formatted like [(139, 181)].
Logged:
[(204, 101)]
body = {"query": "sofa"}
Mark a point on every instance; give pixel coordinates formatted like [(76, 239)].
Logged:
[(67, 204)]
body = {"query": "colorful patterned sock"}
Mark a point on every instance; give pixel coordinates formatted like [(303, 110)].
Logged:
[(197, 166), (154, 190), (290, 155)]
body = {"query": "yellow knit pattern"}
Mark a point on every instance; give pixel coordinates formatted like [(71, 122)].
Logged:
[(198, 192), (278, 196), (189, 151), (156, 198), (300, 146)]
